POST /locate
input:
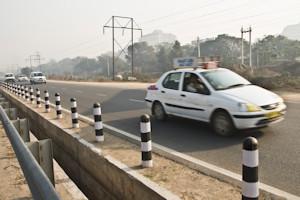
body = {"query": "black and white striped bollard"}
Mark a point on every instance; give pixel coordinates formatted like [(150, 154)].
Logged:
[(23, 91), (250, 187), (26, 93), (146, 145), (38, 98), (98, 122), (19, 90), (47, 102), (31, 95), (75, 123), (58, 106)]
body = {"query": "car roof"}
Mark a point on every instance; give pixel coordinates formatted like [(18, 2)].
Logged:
[(196, 69)]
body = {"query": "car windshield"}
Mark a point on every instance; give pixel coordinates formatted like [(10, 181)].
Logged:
[(38, 74), (224, 79), (9, 75)]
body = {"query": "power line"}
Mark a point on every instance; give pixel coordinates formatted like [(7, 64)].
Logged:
[(179, 12)]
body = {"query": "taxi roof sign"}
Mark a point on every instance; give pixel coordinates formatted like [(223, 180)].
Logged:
[(185, 62), (194, 62)]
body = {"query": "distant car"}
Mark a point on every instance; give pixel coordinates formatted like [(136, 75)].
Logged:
[(37, 77), (218, 96), (9, 77), (22, 78)]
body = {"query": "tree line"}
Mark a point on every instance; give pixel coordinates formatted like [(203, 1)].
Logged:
[(158, 59)]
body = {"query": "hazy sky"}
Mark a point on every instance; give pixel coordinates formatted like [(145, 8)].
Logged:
[(69, 28)]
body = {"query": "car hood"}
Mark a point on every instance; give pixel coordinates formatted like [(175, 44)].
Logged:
[(38, 77), (252, 94)]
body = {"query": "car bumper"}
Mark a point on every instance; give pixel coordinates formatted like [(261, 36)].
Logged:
[(39, 81), (258, 119)]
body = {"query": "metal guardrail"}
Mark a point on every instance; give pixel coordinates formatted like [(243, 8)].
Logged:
[(39, 184)]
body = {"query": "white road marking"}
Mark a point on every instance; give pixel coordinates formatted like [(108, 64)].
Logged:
[(63, 88), (136, 100), (79, 91), (101, 95)]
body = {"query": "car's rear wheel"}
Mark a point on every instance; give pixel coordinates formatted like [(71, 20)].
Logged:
[(158, 111), (222, 124)]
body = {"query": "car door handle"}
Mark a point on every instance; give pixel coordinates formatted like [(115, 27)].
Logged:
[(163, 91), (183, 95)]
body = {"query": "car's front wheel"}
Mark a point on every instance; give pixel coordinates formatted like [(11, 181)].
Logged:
[(158, 111), (222, 124)]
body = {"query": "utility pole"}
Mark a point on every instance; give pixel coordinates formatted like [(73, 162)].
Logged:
[(124, 26), (107, 67), (198, 46), (38, 59), (35, 57), (257, 58), (250, 50), (242, 54), (249, 30), (30, 61)]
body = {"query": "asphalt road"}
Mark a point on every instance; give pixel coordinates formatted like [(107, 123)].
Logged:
[(279, 144)]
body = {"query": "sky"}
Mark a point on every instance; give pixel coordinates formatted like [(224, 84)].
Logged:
[(68, 28)]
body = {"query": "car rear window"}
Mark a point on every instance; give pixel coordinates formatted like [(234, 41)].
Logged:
[(172, 81), (38, 74)]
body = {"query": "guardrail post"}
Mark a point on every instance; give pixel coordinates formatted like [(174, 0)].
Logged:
[(2, 99), (22, 125), (47, 102), (39, 184), (98, 122), (38, 98), (250, 187), (42, 151), (4, 104), (31, 95), (11, 112), (74, 114), (58, 106), (146, 145)]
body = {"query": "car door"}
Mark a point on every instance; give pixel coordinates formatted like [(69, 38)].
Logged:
[(195, 103), (170, 92)]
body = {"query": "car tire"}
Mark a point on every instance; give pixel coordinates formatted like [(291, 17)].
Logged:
[(159, 112), (222, 124)]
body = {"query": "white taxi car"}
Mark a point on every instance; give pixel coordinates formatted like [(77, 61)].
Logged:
[(218, 96)]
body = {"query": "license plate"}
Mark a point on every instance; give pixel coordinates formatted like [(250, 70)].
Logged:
[(272, 114)]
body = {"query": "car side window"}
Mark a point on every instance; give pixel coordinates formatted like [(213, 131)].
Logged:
[(172, 81), (192, 83)]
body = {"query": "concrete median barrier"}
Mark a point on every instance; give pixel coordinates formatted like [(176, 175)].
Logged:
[(99, 177)]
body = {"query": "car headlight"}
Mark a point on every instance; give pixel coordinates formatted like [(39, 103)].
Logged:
[(248, 107)]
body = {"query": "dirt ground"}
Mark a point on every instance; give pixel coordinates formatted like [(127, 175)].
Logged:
[(13, 185)]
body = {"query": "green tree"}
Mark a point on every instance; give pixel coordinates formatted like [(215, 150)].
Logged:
[(144, 57)]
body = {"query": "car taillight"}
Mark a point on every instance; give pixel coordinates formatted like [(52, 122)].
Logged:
[(152, 87)]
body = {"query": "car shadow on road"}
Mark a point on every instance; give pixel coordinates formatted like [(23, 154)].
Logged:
[(186, 135)]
